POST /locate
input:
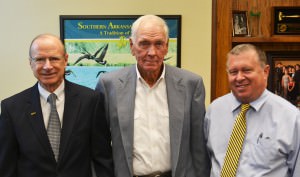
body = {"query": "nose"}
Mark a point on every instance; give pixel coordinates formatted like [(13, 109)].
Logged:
[(240, 76), (47, 64), (151, 50)]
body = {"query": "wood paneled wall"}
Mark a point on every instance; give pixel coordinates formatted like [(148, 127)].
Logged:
[(222, 40)]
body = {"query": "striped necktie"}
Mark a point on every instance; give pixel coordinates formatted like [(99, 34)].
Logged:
[(54, 127), (235, 144)]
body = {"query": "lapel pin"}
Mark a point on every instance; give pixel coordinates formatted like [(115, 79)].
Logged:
[(33, 113)]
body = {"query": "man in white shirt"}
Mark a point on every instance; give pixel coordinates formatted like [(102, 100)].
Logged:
[(155, 110)]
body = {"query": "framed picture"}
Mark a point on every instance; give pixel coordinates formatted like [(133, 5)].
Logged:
[(286, 20), (240, 25), (97, 44), (284, 75)]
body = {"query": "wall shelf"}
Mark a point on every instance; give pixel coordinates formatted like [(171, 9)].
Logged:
[(277, 38), (223, 41)]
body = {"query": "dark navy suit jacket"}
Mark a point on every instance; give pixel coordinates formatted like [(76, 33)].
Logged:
[(25, 150)]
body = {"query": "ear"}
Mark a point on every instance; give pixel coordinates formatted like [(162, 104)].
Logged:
[(66, 59), (31, 63), (167, 47), (131, 47), (266, 71)]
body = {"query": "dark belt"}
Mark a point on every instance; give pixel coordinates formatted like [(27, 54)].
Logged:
[(157, 174)]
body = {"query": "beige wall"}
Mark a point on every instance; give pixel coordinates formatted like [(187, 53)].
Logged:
[(21, 20)]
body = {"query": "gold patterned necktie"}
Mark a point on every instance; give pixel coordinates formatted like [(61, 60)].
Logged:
[(235, 144), (54, 126)]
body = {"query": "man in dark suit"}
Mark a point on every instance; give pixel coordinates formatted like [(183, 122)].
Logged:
[(297, 79), (278, 77), (156, 111), (26, 148)]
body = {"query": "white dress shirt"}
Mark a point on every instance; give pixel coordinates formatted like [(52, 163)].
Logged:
[(151, 147), (60, 102)]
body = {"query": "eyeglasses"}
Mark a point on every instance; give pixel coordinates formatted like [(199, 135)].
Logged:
[(42, 60)]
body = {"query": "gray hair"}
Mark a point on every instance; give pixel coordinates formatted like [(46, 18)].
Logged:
[(247, 47), (149, 19)]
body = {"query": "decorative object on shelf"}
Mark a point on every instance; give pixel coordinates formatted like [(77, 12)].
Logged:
[(240, 25), (254, 18), (286, 20), (255, 23)]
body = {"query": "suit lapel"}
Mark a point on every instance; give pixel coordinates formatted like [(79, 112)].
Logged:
[(72, 103), (71, 107), (176, 102), (126, 100), (36, 119)]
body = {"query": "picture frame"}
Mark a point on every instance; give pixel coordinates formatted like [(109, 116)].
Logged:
[(286, 20), (240, 24), (100, 43), (277, 60)]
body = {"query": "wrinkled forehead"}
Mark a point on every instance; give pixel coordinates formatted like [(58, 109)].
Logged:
[(47, 43), (151, 32)]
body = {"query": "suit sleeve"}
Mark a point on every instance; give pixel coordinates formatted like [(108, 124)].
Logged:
[(8, 145), (198, 147), (101, 142)]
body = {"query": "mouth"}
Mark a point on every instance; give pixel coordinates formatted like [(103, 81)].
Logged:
[(241, 86), (150, 61), (48, 75)]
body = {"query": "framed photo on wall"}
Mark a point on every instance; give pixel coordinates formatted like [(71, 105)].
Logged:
[(97, 44), (240, 25), (284, 77)]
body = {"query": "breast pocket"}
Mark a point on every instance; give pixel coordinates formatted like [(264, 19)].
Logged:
[(264, 151)]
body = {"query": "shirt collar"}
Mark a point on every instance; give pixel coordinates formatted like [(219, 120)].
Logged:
[(162, 76), (256, 104), (58, 92)]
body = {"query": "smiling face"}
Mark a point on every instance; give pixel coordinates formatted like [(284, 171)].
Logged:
[(246, 75), (149, 46), (48, 61)]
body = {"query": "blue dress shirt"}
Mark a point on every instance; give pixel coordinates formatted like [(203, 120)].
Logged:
[(272, 141)]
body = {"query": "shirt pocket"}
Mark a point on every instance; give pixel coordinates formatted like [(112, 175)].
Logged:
[(263, 152)]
